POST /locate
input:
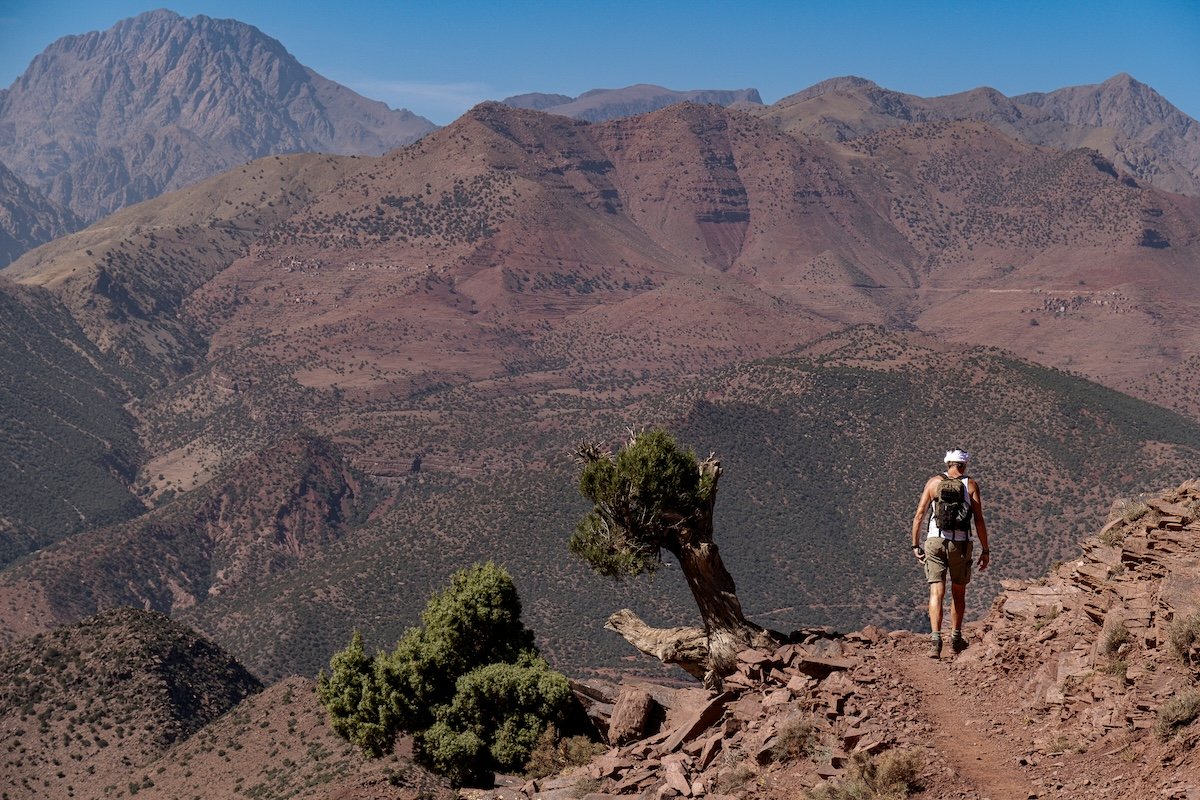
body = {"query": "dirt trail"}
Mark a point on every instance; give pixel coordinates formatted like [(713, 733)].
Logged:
[(968, 730)]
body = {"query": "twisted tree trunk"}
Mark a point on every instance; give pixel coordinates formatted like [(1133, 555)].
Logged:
[(726, 629)]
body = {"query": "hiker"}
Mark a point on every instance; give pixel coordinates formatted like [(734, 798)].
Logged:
[(955, 503)]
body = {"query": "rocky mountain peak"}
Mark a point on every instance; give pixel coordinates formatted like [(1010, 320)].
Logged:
[(109, 118), (846, 83), (1121, 102)]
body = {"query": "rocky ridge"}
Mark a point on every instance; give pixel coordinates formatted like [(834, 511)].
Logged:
[(1078, 684), (115, 689), (1125, 120)]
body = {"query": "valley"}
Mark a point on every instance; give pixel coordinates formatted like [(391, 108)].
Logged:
[(270, 390)]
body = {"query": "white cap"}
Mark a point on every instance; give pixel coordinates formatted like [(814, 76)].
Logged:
[(958, 456)]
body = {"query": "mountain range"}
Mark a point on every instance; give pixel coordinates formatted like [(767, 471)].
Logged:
[(1125, 120), (599, 105), (290, 397), (160, 101), (452, 317)]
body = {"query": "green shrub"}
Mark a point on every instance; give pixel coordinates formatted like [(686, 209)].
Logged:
[(350, 694), (509, 706), (459, 755), (468, 684), (474, 622), (1177, 712)]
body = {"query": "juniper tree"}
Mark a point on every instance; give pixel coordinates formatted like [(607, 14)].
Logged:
[(652, 496), (350, 693), (467, 683)]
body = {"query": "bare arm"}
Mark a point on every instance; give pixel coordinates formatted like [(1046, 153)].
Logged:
[(922, 510)]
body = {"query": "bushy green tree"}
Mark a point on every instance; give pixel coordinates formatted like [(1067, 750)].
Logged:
[(509, 705), (350, 693), (644, 496), (468, 683), (475, 621)]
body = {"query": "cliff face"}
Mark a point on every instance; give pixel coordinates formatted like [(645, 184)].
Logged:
[(107, 119), (27, 218)]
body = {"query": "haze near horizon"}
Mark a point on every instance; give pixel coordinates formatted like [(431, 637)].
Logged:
[(439, 60)]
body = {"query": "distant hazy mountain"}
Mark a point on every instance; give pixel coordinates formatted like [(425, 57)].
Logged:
[(27, 218), (159, 101), (604, 104), (1126, 121)]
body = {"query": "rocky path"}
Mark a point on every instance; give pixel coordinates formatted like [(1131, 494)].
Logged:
[(969, 730)]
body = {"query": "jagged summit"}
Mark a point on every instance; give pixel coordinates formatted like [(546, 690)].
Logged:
[(1126, 120), (1122, 102), (160, 101)]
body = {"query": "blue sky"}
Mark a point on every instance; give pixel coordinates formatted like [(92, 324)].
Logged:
[(440, 58)]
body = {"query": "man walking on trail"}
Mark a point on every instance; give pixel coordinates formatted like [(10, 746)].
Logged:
[(947, 549)]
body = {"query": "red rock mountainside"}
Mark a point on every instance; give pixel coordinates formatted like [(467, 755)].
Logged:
[(274, 510), (106, 119), (130, 703), (1078, 684)]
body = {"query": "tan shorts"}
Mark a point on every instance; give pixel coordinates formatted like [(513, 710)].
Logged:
[(943, 556)]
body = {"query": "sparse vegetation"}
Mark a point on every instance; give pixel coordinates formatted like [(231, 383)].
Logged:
[(553, 753), (797, 738), (1177, 713), (889, 776), (1183, 638), (731, 780), (1115, 635)]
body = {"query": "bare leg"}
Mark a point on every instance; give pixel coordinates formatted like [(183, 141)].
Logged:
[(958, 600), (937, 593)]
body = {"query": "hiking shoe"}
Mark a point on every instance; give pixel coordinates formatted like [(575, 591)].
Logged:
[(958, 644), (935, 647)]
